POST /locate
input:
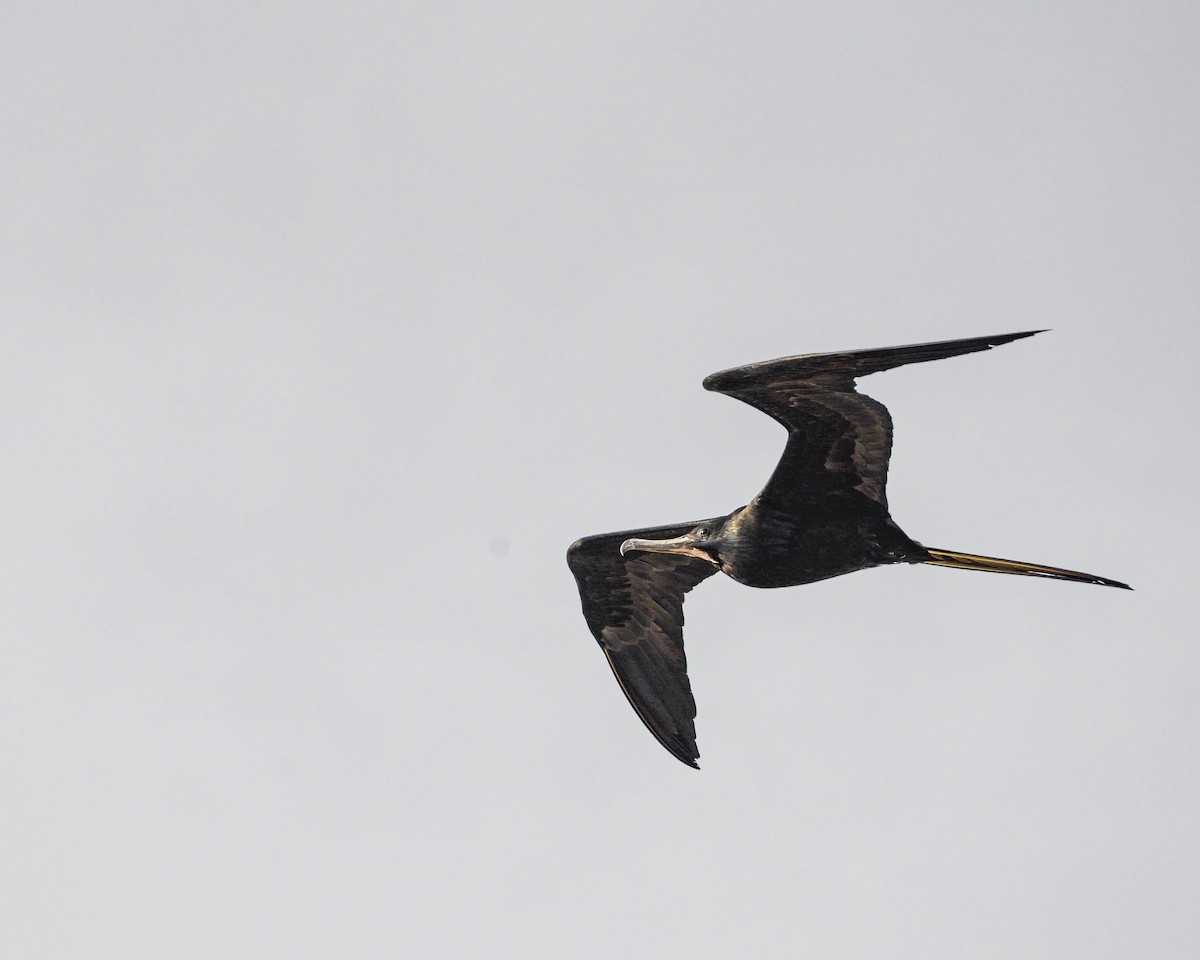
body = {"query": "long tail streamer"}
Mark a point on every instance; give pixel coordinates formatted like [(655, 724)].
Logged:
[(970, 561)]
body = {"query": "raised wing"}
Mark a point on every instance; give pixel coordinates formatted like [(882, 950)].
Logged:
[(838, 439), (634, 607)]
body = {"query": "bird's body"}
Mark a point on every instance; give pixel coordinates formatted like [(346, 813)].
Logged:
[(820, 540), (823, 513)]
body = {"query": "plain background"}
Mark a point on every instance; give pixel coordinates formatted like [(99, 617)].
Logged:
[(324, 330)]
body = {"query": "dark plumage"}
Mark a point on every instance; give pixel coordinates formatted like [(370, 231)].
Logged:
[(822, 513)]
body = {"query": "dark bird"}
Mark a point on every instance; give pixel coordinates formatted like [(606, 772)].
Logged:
[(822, 513)]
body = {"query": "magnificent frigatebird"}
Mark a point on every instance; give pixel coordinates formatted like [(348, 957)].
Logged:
[(822, 513)]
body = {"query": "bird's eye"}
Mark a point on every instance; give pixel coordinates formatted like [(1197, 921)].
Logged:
[(704, 532)]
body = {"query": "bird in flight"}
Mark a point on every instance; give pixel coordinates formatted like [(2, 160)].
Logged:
[(822, 513)]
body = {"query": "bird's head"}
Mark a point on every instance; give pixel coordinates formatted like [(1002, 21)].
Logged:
[(704, 541)]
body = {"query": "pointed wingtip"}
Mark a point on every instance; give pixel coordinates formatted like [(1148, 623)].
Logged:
[(681, 748), (999, 339), (683, 757), (1009, 337)]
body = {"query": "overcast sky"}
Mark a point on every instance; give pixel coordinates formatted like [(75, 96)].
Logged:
[(324, 330)]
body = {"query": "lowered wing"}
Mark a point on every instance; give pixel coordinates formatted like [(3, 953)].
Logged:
[(634, 607)]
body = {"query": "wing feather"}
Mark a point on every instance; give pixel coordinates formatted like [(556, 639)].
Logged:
[(634, 607), (839, 440)]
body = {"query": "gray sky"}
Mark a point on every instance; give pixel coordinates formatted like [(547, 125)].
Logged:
[(325, 330)]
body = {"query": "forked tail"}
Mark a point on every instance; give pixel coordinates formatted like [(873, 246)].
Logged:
[(969, 561)]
